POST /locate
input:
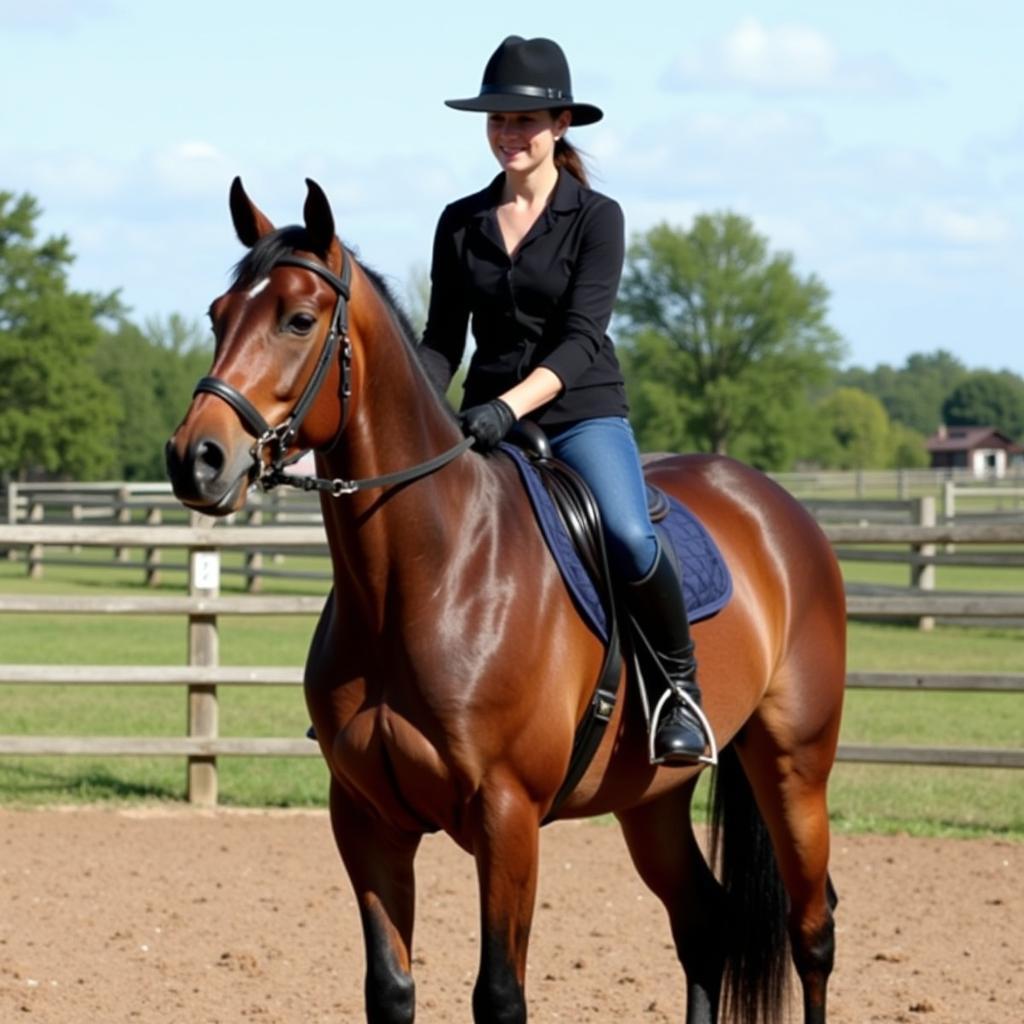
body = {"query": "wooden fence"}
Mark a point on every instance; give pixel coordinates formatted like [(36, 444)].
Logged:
[(204, 605), (901, 484), (153, 504)]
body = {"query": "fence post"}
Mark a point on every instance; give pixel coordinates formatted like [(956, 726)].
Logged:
[(12, 515), (203, 649), (154, 517), (923, 576), (253, 558), (34, 560), (949, 507), (902, 485), (76, 517), (123, 516), (277, 516)]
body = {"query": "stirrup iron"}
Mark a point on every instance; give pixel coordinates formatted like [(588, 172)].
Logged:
[(654, 717)]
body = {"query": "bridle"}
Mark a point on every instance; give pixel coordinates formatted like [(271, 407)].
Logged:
[(278, 440)]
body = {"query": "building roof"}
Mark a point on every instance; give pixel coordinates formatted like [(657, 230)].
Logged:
[(965, 439)]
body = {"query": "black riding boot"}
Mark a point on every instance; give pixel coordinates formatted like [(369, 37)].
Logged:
[(656, 602)]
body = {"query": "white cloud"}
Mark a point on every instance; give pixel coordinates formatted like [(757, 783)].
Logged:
[(976, 229), (720, 154), (782, 59), (82, 176), (861, 218), (51, 15), (191, 168)]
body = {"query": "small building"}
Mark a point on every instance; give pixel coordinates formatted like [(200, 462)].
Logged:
[(984, 452)]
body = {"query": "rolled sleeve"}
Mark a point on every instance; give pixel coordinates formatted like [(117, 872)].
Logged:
[(590, 298)]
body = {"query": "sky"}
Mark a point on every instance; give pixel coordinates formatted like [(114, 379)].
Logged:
[(880, 143)]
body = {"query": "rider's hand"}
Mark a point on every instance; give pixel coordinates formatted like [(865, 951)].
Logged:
[(487, 424)]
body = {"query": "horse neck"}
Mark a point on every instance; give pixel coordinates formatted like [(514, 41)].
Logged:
[(387, 539)]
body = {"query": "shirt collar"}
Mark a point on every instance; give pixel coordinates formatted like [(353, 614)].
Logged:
[(567, 196)]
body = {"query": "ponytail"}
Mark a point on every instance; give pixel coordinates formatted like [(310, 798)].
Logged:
[(569, 157)]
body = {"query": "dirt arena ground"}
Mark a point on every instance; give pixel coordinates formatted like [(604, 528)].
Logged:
[(167, 915)]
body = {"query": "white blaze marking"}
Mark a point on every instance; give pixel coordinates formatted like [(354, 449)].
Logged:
[(258, 287)]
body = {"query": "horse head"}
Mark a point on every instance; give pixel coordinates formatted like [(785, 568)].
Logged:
[(277, 386)]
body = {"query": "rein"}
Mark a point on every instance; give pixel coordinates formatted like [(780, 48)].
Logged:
[(271, 473)]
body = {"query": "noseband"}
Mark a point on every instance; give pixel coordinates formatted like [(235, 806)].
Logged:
[(279, 439)]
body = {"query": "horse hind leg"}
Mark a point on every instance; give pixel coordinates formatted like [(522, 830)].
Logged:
[(661, 842), (787, 759)]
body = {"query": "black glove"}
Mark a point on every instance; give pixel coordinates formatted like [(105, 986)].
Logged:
[(487, 424)]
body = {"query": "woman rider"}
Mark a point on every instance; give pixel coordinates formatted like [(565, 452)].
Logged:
[(535, 259)]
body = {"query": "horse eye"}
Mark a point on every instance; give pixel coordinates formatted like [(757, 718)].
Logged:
[(302, 323)]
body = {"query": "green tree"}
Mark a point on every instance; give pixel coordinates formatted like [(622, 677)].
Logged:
[(56, 415), (906, 448), (852, 431), (725, 333), (152, 372), (985, 398), (912, 394)]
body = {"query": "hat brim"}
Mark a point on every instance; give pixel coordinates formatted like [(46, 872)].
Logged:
[(506, 103)]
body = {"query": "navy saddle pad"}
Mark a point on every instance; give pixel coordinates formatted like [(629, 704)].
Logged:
[(707, 582)]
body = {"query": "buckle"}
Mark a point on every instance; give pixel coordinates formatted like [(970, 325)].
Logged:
[(603, 705), (340, 487)]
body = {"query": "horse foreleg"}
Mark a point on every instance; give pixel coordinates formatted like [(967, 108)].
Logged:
[(666, 854), (505, 847), (379, 861)]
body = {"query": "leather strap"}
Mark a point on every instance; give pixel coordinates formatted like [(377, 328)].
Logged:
[(575, 503), (250, 416), (283, 436), (338, 487), (527, 90)]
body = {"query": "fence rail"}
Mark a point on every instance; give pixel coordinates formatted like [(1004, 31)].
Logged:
[(121, 505), (203, 674)]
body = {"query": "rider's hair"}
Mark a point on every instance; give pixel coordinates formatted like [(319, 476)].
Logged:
[(569, 157)]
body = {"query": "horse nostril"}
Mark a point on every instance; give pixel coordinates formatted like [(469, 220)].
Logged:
[(209, 460)]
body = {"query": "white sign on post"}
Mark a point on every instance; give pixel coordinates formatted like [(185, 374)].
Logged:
[(206, 570)]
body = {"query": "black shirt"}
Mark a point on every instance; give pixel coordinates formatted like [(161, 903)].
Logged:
[(547, 305)]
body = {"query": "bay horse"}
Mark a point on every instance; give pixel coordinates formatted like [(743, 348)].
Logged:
[(450, 666)]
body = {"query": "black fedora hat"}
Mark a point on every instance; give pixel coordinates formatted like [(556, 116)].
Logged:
[(528, 74)]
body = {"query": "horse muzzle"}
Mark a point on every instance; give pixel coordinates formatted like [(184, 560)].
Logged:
[(208, 477)]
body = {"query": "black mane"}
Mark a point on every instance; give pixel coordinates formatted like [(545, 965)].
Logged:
[(257, 263), (397, 309)]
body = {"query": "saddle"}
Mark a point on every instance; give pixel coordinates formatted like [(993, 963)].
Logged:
[(571, 524)]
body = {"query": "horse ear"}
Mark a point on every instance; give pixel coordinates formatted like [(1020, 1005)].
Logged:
[(250, 222), (320, 223)]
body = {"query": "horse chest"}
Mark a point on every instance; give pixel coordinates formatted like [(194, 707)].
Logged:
[(397, 768)]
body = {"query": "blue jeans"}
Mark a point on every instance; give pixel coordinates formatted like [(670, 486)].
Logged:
[(603, 451)]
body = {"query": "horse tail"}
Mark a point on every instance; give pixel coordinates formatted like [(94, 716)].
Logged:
[(756, 977)]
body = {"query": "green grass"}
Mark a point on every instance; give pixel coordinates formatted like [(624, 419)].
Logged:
[(921, 800), (149, 711)]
